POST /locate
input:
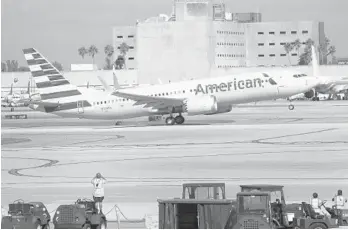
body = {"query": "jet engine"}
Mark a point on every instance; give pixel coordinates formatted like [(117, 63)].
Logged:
[(222, 109), (310, 94), (200, 105)]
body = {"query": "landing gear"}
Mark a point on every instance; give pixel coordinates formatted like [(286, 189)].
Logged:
[(170, 120), (177, 120), (291, 107)]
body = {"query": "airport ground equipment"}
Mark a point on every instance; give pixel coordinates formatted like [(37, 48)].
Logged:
[(313, 220), (81, 215), (23, 215), (203, 191), (16, 116), (194, 213)]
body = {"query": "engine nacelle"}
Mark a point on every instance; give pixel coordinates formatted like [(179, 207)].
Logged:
[(222, 109), (200, 105), (310, 94)]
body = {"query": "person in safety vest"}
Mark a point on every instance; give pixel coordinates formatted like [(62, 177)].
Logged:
[(317, 205), (339, 203), (98, 195)]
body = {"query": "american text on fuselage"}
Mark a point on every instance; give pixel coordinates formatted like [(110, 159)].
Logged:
[(228, 86)]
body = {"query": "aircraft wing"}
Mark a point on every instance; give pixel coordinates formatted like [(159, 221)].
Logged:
[(148, 101), (45, 104)]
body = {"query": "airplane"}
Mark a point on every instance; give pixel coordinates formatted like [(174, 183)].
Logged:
[(18, 99), (195, 97)]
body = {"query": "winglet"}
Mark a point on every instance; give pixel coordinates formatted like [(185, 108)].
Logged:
[(105, 85), (116, 84), (315, 63)]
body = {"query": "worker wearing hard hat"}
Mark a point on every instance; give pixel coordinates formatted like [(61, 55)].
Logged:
[(317, 205), (339, 202), (98, 195)]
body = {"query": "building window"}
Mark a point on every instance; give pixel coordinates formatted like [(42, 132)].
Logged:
[(131, 58), (282, 43), (130, 36), (283, 55), (119, 36), (293, 54), (305, 31), (272, 55), (293, 32), (271, 44), (261, 44), (261, 55), (282, 32), (271, 33), (260, 33), (131, 47)]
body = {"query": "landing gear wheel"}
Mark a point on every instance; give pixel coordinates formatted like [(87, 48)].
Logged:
[(317, 226), (170, 121), (291, 107), (179, 120)]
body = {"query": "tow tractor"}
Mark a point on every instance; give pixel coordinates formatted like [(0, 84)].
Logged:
[(23, 215), (81, 215)]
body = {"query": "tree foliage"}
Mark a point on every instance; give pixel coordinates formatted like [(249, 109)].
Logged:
[(82, 52), (92, 51), (57, 65), (109, 52)]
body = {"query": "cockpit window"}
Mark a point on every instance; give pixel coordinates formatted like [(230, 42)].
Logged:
[(299, 75), (265, 75), (273, 82)]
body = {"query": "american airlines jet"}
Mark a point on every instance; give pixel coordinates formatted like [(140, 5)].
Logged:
[(195, 97)]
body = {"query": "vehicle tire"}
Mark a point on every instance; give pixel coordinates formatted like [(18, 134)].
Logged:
[(46, 226), (317, 226), (291, 107), (87, 226)]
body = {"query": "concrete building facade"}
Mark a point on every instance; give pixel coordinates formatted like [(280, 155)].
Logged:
[(126, 34), (201, 36)]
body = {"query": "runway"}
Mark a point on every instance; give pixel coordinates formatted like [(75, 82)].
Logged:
[(53, 160)]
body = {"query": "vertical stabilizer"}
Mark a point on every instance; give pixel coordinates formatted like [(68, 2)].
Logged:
[(105, 84), (116, 84), (315, 63)]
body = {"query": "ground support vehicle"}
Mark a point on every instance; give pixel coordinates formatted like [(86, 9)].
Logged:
[(203, 191), (313, 220), (82, 214), (23, 215), (194, 213)]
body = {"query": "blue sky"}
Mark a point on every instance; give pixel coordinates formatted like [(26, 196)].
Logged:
[(57, 28)]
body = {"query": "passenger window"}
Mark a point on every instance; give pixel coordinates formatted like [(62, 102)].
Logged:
[(183, 91), (105, 102)]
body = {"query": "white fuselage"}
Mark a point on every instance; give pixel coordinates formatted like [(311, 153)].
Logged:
[(228, 90)]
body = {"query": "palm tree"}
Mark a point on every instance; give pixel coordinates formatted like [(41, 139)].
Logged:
[(297, 45), (123, 50), (288, 48), (109, 51), (92, 51), (82, 52)]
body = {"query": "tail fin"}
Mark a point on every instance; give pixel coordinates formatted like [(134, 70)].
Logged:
[(105, 85), (28, 88), (11, 90), (116, 84), (51, 85), (315, 63)]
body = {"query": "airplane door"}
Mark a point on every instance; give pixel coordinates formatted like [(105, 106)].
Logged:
[(80, 107)]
